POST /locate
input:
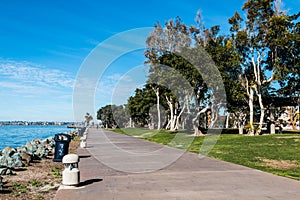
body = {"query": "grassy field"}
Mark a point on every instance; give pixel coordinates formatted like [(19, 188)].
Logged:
[(278, 154)]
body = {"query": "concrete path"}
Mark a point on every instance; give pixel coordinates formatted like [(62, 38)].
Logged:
[(116, 166)]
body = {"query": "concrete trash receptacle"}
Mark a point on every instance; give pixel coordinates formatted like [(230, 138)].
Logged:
[(71, 173)]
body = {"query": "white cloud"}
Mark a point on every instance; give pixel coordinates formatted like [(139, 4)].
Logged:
[(24, 74), (34, 92)]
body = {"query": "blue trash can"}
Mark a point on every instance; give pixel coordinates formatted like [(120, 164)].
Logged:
[(61, 149)]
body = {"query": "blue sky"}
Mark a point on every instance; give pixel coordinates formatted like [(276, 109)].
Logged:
[(43, 45)]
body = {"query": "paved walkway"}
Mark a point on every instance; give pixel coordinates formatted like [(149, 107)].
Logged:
[(116, 166)]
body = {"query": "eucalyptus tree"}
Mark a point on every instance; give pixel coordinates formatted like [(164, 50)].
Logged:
[(265, 43), (141, 106), (169, 49), (113, 116), (184, 81), (228, 62)]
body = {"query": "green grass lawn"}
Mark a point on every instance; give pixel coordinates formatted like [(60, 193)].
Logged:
[(278, 154)]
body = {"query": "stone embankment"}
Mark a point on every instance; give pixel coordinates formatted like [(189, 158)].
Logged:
[(13, 158)]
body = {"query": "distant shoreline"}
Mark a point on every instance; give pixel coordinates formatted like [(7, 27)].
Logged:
[(38, 123)]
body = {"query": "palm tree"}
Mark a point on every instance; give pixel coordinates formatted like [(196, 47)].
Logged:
[(88, 118)]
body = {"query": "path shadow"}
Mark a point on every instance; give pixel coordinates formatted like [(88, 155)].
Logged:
[(91, 181), (20, 169), (5, 191), (84, 156)]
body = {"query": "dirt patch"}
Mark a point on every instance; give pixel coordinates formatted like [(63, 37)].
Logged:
[(288, 137), (39, 180), (280, 164)]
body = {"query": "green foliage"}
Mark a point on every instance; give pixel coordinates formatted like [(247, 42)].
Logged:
[(113, 115), (18, 188), (35, 183), (142, 106), (56, 172), (39, 196), (261, 50)]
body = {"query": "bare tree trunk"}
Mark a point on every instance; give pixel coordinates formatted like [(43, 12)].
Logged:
[(172, 120), (158, 108), (241, 122), (258, 85), (262, 114), (251, 130), (250, 94), (173, 123), (241, 129), (198, 132), (214, 115), (227, 120), (182, 110)]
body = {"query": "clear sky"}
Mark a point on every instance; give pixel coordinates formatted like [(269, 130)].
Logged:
[(43, 45)]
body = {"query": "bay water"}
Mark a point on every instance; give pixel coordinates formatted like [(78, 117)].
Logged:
[(17, 136)]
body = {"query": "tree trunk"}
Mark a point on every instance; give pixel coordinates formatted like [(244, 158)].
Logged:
[(262, 114), (172, 119), (241, 122), (227, 120), (241, 129), (214, 117), (158, 108), (251, 96), (198, 132)]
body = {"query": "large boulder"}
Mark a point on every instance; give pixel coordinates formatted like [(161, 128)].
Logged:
[(38, 148), (11, 161), (10, 158), (17, 160), (5, 171), (26, 158), (8, 151)]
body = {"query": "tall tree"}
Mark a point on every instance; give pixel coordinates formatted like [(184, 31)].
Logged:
[(161, 42), (263, 45), (141, 106), (88, 118), (113, 116), (167, 53), (228, 61)]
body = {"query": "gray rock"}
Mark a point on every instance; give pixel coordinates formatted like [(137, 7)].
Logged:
[(3, 161), (21, 149), (8, 151), (31, 148), (5, 171), (11, 160), (26, 158), (17, 160)]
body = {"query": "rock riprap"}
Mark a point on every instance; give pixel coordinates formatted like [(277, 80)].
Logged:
[(10, 158)]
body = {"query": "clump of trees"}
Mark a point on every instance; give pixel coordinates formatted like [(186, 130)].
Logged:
[(195, 73)]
